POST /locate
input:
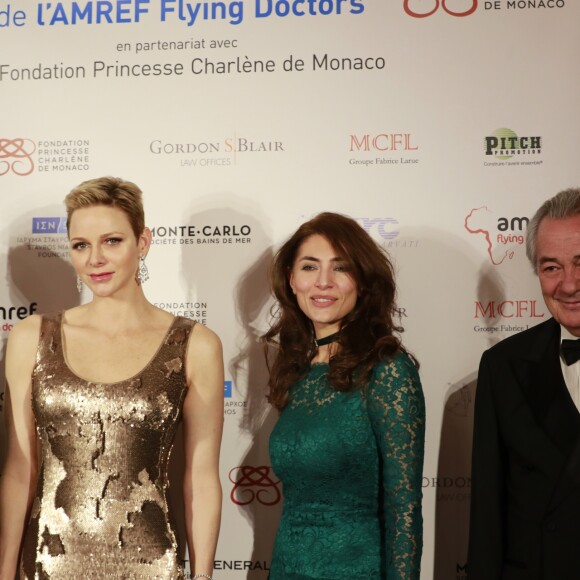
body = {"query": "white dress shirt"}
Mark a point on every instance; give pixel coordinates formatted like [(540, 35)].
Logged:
[(571, 373)]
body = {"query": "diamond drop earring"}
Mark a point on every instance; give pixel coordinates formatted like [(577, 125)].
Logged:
[(142, 272)]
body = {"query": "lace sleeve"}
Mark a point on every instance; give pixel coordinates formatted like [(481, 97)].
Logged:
[(397, 411)]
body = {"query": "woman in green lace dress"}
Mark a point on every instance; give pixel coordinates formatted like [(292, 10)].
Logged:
[(348, 445)]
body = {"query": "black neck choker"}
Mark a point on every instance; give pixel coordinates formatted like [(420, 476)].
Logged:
[(327, 339)]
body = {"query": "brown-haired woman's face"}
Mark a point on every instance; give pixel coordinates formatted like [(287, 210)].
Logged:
[(323, 285)]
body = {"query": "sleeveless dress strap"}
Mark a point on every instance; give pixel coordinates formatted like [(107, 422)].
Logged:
[(50, 340)]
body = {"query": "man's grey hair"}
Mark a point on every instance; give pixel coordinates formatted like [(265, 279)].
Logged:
[(563, 205)]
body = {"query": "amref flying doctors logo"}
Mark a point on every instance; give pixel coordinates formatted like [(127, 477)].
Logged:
[(502, 236), (16, 156), (424, 8)]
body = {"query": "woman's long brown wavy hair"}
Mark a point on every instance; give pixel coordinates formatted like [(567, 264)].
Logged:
[(368, 333)]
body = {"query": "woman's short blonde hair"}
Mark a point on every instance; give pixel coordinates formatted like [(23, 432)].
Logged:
[(108, 191)]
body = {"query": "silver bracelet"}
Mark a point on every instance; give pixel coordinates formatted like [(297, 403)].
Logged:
[(202, 576)]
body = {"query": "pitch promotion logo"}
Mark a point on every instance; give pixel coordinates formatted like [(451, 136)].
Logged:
[(503, 236), (383, 149), (425, 8), (504, 144), (16, 156), (216, 153), (254, 484)]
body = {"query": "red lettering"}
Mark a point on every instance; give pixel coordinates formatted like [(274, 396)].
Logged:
[(501, 309), (488, 311)]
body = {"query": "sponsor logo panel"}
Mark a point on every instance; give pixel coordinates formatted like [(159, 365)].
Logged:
[(197, 311), (198, 234), (237, 565), (47, 238), (506, 316), (241, 565), (383, 149), (462, 8), (23, 156), (10, 315), (386, 231), (505, 148), (216, 153), (232, 406), (423, 9), (503, 236), (254, 484), (16, 156), (448, 488)]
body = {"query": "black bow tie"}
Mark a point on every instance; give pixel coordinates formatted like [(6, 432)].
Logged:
[(570, 350)]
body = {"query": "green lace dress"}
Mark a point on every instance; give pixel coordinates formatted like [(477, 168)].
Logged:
[(351, 466)]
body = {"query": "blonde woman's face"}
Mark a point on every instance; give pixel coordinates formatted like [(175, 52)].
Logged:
[(104, 251)]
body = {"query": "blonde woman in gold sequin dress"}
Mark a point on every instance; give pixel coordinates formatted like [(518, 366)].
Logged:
[(99, 389)]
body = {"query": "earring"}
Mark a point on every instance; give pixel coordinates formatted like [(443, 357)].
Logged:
[(142, 272), (79, 284)]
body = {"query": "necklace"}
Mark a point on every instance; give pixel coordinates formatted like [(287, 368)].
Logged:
[(327, 339)]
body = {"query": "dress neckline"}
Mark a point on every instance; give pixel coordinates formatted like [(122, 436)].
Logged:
[(127, 380)]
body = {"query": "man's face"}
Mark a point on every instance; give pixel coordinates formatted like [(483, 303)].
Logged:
[(558, 268)]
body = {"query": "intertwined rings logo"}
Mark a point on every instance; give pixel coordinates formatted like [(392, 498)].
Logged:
[(438, 3), (254, 483), (15, 155)]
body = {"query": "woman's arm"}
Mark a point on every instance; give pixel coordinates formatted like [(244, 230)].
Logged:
[(19, 475), (397, 411), (203, 416)]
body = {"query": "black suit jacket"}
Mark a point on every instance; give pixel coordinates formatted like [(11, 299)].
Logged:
[(525, 494)]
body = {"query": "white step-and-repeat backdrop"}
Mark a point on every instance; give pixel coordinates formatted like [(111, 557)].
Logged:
[(441, 125)]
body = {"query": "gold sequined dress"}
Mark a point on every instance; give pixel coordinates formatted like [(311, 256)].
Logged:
[(100, 509)]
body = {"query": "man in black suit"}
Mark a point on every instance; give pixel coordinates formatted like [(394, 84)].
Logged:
[(525, 496)]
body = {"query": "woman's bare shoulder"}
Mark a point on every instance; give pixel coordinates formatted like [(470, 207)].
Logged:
[(22, 347), (27, 330), (204, 341)]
